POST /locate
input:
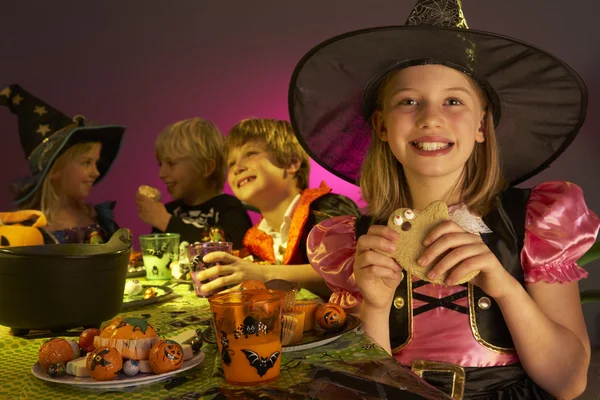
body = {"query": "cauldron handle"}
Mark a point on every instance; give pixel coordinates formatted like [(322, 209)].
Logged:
[(120, 240)]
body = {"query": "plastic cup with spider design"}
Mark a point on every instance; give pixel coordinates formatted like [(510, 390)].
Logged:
[(158, 251), (196, 252), (248, 329)]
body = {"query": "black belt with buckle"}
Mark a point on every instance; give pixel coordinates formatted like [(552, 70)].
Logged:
[(457, 372), (479, 382)]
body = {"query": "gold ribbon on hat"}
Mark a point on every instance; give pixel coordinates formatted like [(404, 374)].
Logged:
[(78, 120)]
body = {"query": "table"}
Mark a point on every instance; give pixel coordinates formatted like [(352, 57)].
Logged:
[(352, 367)]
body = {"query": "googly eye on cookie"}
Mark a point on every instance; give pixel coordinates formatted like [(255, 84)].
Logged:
[(413, 227)]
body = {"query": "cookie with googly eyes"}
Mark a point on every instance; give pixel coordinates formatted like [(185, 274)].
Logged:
[(413, 227)]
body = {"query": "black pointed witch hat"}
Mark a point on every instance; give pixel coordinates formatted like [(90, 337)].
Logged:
[(45, 133), (539, 101)]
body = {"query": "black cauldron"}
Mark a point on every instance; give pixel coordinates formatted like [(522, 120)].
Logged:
[(63, 286)]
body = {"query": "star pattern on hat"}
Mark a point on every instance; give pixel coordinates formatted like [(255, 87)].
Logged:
[(43, 129), (17, 99), (6, 92), (40, 110)]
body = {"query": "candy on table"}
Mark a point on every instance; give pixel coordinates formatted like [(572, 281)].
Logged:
[(104, 363), (131, 367), (330, 317), (149, 293), (77, 367), (86, 339), (133, 287), (57, 370), (57, 350), (165, 356)]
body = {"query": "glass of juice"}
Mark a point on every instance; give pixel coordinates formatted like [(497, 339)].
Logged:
[(248, 329), (196, 252), (158, 251)]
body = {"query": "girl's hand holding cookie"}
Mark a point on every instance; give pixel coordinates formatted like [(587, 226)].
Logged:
[(465, 258), (377, 275)]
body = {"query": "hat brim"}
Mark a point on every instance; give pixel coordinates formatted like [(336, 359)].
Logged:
[(542, 100), (110, 136)]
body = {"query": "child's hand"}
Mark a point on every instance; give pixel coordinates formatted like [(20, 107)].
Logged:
[(377, 275), (231, 271), (468, 253), (152, 212)]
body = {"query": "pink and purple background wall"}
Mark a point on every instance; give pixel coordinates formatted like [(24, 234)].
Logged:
[(146, 64)]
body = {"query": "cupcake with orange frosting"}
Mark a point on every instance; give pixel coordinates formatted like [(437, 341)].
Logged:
[(309, 308)]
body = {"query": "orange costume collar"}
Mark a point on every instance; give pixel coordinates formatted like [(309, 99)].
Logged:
[(261, 245)]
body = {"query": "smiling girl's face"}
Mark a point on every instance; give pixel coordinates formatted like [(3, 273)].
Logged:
[(432, 116), (76, 177)]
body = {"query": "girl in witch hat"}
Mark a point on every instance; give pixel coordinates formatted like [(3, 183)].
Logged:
[(66, 158), (434, 111)]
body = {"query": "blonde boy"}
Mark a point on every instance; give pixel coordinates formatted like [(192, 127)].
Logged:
[(191, 157)]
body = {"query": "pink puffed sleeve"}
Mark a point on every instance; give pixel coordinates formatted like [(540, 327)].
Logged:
[(330, 248), (559, 229)]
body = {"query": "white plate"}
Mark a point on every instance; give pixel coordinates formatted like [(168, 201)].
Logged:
[(120, 381), (310, 342)]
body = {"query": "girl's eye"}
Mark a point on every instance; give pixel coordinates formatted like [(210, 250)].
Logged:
[(408, 102), (454, 102)]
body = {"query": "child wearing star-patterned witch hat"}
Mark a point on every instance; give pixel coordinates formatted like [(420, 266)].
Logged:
[(66, 157)]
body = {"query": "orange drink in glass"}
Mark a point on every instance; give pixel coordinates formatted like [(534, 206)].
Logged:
[(248, 330)]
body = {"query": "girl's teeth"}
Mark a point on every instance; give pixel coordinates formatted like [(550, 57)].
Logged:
[(431, 146)]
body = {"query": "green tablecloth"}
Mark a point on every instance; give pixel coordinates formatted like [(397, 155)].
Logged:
[(350, 367)]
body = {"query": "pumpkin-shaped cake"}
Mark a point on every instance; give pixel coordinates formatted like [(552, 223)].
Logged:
[(132, 337), (166, 356), (104, 363), (330, 317)]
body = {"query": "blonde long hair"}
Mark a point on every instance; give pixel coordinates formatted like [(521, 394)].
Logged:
[(383, 183), (47, 196)]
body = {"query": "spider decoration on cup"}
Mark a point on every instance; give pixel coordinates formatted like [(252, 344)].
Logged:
[(249, 327)]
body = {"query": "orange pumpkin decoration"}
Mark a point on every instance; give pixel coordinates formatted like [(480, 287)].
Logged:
[(252, 284), (330, 317), (132, 337), (104, 364), (57, 351), (166, 356), (14, 233)]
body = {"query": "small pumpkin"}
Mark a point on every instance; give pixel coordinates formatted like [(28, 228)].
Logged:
[(330, 317), (104, 363), (165, 356), (17, 228)]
